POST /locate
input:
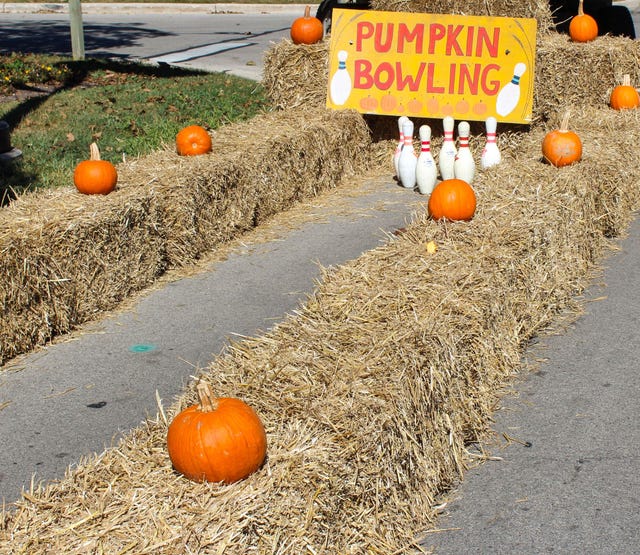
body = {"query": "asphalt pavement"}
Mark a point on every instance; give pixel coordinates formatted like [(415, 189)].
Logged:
[(566, 478)]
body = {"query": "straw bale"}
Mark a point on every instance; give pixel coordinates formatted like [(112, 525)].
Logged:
[(66, 257), (296, 75), (595, 68), (566, 73), (537, 9), (372, 391)]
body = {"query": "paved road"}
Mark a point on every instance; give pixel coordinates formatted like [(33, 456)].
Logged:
[(199, 36)]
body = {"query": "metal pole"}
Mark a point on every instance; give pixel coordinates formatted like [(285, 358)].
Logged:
[(77, 32)]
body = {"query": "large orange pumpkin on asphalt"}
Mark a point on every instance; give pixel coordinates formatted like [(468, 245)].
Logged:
[(453, 199), (306, 29), (217, 440), (192, 141), (562, 147), (624, 96), (95, 176)]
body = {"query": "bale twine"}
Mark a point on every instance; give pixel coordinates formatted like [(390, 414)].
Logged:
[(372, 391), (67, 257)]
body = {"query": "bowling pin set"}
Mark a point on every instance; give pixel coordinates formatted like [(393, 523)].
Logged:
[(422, 170)]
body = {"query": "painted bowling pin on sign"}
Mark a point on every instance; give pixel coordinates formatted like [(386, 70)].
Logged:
[(340, 87), (490, 153), (448, 150), (396, 154), (463, 166), (426, 169), (509, 95), (408, 160)]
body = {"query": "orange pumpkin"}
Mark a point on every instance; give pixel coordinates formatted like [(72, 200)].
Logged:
[(388, 103), (414, 106), (95, 176), (453, 199), (368, 103), (217, 440), (562, 147), (192, 141), (624, 96), (583, 27), (306, 29)]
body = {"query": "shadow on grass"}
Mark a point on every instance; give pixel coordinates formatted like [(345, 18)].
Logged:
[(79, 73)]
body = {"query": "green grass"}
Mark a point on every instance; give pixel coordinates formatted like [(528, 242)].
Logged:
[(128, 109)]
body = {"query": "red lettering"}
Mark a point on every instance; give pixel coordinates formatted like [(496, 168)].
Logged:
[(437, 32), (470, 35), (491, 45), (452, 40), (404, 34), (362, 78), (384, 68), (431, 88), (364, 30), (380, 44), (467, 80), (490, 88), (409, 81), (452, 78)]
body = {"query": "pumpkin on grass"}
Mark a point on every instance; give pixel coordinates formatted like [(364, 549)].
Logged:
[(453, 199), (95, 176), (192, 141), (217, 440), (306, 29), (624, 96), (562, 147), (583, 27)]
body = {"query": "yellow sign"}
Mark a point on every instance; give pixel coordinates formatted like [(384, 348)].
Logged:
[(430, 65)]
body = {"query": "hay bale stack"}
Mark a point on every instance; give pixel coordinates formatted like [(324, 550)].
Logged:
[(536, 9), (66, 257), (370, 392), (588, 79), (596, 67)]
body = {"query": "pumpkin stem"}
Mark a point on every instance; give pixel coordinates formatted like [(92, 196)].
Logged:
[(564, 124), (581, 7), (207, 400), (307, 11), (95, 153), (626, 80)]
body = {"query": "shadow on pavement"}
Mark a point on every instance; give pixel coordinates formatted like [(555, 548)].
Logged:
[(53, 37)]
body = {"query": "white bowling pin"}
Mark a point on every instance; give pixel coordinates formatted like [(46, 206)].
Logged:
[(396, 154), (464, 166), (340, 87), (447, 150), (426, 169), (490, 153), (408, 160), (509, 95)]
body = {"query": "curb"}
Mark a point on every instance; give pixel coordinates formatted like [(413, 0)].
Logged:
[(136, 8)]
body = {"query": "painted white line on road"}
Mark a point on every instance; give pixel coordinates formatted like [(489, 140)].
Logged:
[(199, 52)]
